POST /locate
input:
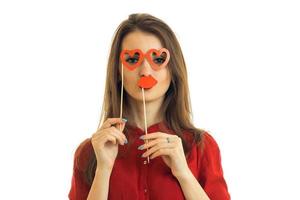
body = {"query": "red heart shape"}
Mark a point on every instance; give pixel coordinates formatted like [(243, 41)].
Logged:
[(154, 65), (131, 53)]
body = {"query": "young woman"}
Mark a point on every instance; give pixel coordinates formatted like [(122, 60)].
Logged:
[(171, 158)]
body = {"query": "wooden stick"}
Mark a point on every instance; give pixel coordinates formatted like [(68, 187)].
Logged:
[(145, 119), (121, 100)]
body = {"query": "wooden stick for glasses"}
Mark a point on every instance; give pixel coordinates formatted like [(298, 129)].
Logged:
[(121, 101)]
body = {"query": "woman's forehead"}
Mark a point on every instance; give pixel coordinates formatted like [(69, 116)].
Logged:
[(141, 40)]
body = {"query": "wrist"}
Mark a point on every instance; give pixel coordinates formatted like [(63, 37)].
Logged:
[(103, 170), (184, 175)]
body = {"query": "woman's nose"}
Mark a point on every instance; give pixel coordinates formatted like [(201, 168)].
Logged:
[(145, 68)]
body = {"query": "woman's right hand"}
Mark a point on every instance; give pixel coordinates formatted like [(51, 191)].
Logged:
[(105, 142)]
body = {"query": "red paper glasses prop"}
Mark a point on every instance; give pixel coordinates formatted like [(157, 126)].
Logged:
[(132, 59)]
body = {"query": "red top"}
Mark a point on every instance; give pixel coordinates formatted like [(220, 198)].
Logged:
[(132, 178)]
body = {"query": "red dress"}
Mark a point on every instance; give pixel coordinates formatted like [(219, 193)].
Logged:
[(132, 178)]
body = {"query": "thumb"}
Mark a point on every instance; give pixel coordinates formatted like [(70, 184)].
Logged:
[(121, 126)]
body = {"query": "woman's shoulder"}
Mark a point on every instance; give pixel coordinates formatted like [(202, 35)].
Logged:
[(209, 141), (82, 154), (209, 153), (206, 145), (205, 135)]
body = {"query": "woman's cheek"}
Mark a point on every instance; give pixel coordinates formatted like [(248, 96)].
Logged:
[(165, 79), (130, 81)]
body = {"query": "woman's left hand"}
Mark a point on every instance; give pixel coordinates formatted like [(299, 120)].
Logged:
[(169, 147)]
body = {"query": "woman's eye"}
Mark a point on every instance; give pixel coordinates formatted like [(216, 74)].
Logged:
[(132, 60), (159, 60)]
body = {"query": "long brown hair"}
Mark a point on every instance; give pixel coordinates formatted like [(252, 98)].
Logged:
[(176, 105)]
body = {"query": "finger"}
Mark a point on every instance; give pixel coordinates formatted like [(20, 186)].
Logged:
[(102, 139), (152, 143), (161, 152), (154, 135), (111, 138), (99, 131), (119, 135), (114, 132), (111, 121), (119, 132), (121, 126), (157, 147)]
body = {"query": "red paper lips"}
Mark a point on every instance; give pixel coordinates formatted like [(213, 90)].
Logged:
[(132, 59), (147, 82)]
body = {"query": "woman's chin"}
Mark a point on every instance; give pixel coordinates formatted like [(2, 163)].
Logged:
[(148, 95)]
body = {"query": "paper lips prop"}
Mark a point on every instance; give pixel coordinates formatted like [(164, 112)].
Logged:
[(147, 82)]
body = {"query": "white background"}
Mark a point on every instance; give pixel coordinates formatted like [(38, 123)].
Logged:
[(243, 64)]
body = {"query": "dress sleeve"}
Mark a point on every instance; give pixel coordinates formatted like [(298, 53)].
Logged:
[(79, 188), (211, 174)]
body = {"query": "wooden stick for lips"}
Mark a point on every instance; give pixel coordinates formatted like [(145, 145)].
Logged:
[(145, 119)]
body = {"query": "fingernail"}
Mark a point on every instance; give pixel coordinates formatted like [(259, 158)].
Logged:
[(124, 119), (142, 137), (125, 141), (140, 147)]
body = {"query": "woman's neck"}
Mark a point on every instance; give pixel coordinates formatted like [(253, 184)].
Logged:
[(153, 112)]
